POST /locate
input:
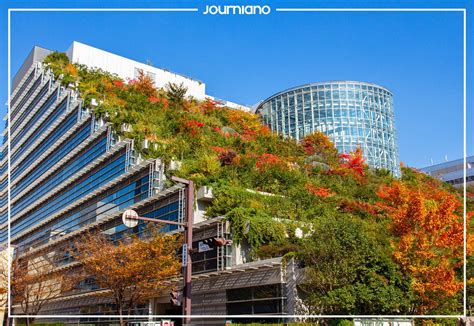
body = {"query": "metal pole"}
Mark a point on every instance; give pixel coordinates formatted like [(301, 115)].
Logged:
[(189, 242), (188, 238)]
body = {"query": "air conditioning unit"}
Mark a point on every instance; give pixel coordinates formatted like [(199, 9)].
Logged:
[(205, 194), (94, 102)]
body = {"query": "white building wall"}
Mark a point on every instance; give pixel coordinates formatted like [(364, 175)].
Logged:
[(231, 105), (125, 68)]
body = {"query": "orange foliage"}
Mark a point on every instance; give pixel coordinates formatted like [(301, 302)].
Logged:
[(318, 143), (268, 160), (354, 161), (133, 270), (351, 165), (71, 69), (154, 100), (319, 191), (144, 84), (248, 134), (209, 105), (219, 150), (429, 226), (192, 126), (241, 120), (118, 83), (352, 206), (34, 284), (264, 130)]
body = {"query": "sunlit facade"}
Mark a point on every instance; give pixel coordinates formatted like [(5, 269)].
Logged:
[(351, 113), (69, 173), (452, 172)]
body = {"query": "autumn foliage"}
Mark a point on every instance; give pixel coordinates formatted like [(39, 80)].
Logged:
[(192, 126), (354, 161), (33, 285), (318, 143), (268, 160), (133, 269), (415, 221), (428, 224), (318, 191)]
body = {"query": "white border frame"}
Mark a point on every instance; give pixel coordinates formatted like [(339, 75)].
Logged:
[(463, 10)]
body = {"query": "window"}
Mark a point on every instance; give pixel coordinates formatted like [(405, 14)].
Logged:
[(152, 76), (136, 73), (265, 299)]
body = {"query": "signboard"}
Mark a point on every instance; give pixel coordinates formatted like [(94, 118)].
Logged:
[(163, 322), (128, 218), (185, 255), (202, 247)]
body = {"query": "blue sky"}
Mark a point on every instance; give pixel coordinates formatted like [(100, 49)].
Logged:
[(244, 59)]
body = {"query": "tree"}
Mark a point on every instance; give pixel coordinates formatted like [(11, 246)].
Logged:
[(319, 145), (347, 271), (354, 161), (176, 92), (427, 222), (34, 283), (470, 285), (4, 280), (132, 269)]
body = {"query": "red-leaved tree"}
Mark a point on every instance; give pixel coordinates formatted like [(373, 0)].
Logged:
[(427, 222)]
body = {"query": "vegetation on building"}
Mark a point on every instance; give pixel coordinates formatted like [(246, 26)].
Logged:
[(369, 243)]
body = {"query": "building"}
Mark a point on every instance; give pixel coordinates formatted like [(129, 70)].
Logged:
[(350, 113), (70, 172), (452, 172)]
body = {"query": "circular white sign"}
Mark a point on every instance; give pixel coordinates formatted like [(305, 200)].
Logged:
[(129, 218)]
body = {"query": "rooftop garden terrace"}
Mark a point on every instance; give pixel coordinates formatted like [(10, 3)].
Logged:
[(370, 243)]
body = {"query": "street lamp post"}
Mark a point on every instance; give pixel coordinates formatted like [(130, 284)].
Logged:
[(188, 235), (131, 218)]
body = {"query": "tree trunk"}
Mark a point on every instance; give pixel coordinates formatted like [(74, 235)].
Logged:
[(122, 322)]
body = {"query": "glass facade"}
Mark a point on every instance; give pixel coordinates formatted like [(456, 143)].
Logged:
[(70, 172), (350, 113), (452, 172)]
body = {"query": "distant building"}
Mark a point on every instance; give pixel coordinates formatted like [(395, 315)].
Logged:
[(452, 172), (350, 113)]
